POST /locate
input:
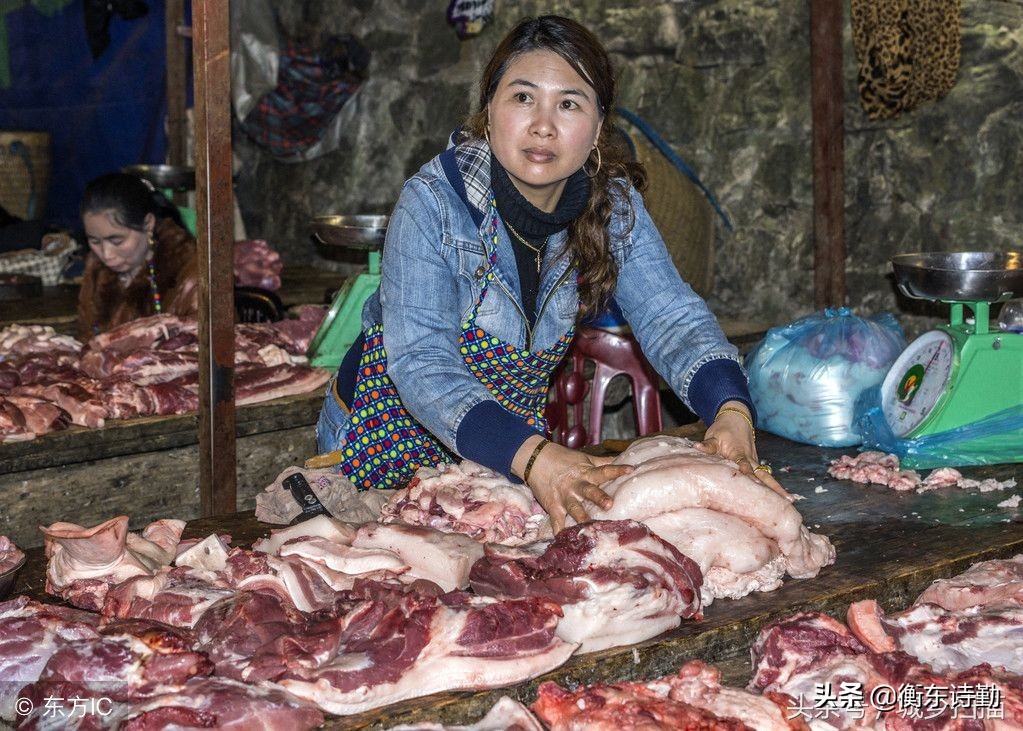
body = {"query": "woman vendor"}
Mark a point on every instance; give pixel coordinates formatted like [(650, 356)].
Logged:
[(529, 222), (141, 261)]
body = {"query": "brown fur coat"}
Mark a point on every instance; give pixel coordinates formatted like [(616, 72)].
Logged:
[(103, 303)]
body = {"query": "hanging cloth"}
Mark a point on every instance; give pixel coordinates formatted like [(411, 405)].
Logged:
[(384, 446), (312, 86)]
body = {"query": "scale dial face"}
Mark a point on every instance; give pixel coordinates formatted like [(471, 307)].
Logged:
[(917, 381)]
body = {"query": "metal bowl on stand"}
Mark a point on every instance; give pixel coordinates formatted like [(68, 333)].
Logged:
[(350, 232), (967, 276), (173, 177)]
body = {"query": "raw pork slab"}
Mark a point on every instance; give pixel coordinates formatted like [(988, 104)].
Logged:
[(85, 562), (617, 583), (948, 641), (987, 583), (426, 645), (468, 498), (671, 474)]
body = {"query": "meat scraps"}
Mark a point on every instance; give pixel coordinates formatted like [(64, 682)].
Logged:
[(691, 699), (880, 468), (505, 715), (468, 498)]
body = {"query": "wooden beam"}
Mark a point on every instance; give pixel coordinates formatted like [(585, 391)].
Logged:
[(177, 88), (211, 57), (826, 94)]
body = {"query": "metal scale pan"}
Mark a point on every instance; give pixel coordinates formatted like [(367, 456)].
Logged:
[(343, 323), (350, 232), (969, 276), (169, 177)]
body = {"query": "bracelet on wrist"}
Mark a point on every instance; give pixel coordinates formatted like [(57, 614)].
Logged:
[(741, 413), (532, 458)]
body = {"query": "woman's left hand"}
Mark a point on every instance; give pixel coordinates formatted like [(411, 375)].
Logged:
[(732, 437)]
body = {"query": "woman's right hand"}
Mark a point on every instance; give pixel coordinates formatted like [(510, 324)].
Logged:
[(567, 482)]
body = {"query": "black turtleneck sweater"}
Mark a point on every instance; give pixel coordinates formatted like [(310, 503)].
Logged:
[(534, 225)]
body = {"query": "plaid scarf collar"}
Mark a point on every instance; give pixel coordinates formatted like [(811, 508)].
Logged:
[(473, 160)]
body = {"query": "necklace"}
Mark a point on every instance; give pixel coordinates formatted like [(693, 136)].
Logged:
[(538, 250), (153, 288)]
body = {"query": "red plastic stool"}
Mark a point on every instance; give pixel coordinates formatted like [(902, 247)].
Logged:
[(612, 354)]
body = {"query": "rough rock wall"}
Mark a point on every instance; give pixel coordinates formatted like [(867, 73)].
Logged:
[(727, 83)]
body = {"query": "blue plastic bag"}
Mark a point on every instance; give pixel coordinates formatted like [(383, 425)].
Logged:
[(809, 379), (951, 448)]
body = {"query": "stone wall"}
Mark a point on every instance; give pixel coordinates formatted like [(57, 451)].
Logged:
[(727, 83)]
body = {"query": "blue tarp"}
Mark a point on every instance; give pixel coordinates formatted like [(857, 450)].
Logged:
[(101, 114)]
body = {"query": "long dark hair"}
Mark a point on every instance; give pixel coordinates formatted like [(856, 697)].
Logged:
[(588, 239), (130, 198)]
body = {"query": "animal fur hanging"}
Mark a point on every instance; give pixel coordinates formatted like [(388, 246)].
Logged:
[(908, 52)]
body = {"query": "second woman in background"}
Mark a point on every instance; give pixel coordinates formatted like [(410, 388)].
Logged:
[(141, 261)]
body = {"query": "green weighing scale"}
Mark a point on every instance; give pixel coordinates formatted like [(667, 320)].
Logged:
[(962, 372), (169, 179), (343, 323)]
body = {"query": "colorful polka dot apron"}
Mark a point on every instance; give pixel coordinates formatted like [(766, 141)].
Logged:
[(384, 446)]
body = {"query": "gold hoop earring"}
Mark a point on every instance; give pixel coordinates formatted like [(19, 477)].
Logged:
[(486, 134), (599, 161)]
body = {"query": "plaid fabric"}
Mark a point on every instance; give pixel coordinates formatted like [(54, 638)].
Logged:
[(47, 264), (473, 160), (292, 118)]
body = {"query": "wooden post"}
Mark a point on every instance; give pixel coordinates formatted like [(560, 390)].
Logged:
[(828, 149), (177, 89), (214, 203)]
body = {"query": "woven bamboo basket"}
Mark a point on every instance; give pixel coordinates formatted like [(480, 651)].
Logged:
[(24, 172), (681, 213)]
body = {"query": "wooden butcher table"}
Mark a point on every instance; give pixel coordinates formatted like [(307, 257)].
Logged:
[(147, 468), (890, 547)]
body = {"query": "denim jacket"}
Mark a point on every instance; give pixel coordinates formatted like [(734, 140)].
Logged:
[(433, 267)]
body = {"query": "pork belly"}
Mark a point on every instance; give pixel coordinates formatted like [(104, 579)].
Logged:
[(617, 583), (422, 645)]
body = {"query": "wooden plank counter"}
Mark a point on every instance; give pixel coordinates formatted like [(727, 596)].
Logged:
[(890, 547), (147, 468)]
